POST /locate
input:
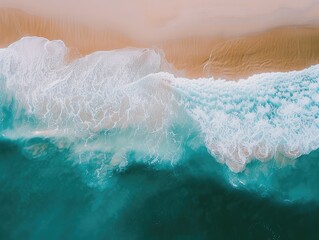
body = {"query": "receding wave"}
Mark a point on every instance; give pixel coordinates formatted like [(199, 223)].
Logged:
[(106, 106)]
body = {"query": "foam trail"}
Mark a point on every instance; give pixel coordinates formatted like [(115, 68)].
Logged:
[(112, 99), (111, 104), (274, 115)]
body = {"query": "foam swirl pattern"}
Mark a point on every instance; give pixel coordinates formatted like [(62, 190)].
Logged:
[(108, 105), (274, 115)]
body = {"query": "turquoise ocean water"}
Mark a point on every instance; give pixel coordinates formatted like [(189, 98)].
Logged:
[(115, 146)]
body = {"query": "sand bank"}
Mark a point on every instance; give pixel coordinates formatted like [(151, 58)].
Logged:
[(218, 55)]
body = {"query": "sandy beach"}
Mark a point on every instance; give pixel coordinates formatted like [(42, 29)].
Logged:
[(159, 119), (211, 42)]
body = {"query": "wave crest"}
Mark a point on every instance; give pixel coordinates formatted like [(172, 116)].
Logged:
[(128, 100)]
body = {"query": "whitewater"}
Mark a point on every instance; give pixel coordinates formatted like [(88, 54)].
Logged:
[(116, 108)]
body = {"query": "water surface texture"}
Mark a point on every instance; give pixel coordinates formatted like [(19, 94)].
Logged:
[(116, 145)]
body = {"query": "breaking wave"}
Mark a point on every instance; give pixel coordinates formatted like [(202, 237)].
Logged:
[(108, 106)]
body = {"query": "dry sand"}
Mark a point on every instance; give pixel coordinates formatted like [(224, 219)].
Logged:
[(152, 21), (218, 55)]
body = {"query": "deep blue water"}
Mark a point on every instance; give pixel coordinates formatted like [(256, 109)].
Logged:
[(48, 199)]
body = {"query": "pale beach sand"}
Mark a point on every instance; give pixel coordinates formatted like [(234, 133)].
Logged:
[(200, 38)]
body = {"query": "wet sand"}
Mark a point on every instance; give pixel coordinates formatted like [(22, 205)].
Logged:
[(229, 57)]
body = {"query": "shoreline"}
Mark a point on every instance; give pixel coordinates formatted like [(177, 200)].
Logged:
[(279, 49)]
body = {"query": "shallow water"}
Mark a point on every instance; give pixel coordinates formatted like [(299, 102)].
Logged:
[(114, 145)]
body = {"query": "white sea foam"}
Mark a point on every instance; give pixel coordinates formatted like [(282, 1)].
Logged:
[(133, 96), (267, 116)]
